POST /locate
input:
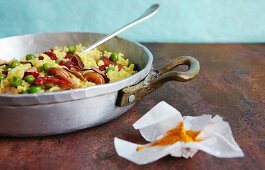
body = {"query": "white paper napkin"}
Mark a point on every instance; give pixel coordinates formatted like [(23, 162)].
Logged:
[(216, 136)]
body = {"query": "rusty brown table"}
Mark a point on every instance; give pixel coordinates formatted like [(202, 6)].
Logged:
[(231, 83)]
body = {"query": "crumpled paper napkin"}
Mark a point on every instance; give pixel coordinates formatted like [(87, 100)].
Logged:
[(215, 137)]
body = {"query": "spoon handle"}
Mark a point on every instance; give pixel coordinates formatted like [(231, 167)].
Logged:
[(147, 14)]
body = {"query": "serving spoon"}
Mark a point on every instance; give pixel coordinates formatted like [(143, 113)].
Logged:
[(147, 14)]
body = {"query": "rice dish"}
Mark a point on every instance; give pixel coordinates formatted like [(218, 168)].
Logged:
[(62, 68)]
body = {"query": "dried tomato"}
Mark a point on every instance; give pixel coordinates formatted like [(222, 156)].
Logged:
[(34, 73), (76, 61), (120, 66), (5, 72), (68, 64), (51, 55), (44, 81), (41, 57), (102, 68), (106, 61)]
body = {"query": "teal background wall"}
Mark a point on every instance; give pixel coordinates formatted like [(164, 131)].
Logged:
[(177, 20)]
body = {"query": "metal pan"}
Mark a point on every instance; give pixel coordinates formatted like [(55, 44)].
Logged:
[(70, 110)]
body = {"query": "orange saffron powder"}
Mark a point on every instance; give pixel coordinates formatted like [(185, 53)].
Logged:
[(178, 134)]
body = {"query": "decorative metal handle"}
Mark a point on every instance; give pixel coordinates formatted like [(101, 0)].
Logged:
[(156, 78)]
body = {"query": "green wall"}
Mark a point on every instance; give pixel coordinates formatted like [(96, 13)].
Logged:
[(177, 20)]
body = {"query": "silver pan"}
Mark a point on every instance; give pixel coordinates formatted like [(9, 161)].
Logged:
[(71, 110)]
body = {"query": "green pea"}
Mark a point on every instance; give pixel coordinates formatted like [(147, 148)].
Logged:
[(29, 79), (5, 67), (2, 76), (30, 56), (46, 66), (110, 68), (34, 89), (114, 57), (71, 49), (15, 81), (14, 63)]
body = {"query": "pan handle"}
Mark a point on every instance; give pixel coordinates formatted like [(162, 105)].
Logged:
[(156, 78)]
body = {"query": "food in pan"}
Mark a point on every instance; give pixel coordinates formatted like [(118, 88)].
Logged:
[(62, 69)]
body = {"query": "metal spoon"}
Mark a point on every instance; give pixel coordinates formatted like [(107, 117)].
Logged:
[(147, 14)]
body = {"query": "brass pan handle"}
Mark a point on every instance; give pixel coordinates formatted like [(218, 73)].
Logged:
[(156, 78)]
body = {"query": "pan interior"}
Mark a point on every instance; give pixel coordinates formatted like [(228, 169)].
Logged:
[(19, 46)]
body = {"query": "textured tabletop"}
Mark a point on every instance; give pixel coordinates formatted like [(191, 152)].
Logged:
[(231, 83)]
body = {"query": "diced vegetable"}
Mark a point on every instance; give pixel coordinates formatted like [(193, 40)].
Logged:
[(71, 49), (2, 76), (47, 81), (15, 81), (110, 69), (14, 63), (106, 61), (30, 56), (51, 55), (34, 89), (75, 62), (5, 67), (114, 57), (46, 66), (29, 79)]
